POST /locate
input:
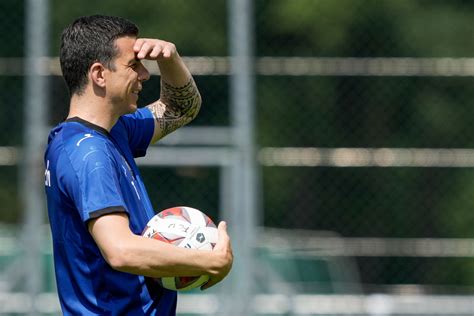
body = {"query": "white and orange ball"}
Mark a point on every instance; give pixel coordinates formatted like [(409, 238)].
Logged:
[(184, 227)]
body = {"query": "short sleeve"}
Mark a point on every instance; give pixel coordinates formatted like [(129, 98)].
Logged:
[(92, 180), (137, 129)]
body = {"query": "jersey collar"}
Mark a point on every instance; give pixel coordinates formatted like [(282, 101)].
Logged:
[(89, 124)]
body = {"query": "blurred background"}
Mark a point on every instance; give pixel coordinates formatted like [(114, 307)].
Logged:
[(336, 138)]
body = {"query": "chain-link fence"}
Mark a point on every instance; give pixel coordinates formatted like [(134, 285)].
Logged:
[(364, 140), (355, 126)]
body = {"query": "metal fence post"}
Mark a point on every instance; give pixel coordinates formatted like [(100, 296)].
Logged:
[(31, 171), (244, 176)]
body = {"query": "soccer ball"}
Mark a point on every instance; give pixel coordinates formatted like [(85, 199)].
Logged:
[(184, 227)]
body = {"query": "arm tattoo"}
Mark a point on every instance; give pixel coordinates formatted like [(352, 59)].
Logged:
[(176, 107)]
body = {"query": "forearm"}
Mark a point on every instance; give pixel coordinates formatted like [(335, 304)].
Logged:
[(179, 101), (149, 257), (173, 71), (127, 252)]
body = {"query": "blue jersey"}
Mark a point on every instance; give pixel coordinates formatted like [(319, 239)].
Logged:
[(91, 173)]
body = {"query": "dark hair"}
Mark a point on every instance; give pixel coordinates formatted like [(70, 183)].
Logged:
[(87, 40)]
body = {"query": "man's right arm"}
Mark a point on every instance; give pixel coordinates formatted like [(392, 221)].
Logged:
[(180, 100), (127, 252)]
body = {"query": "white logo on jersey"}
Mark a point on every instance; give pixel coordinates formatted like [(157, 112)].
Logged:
[(132, 182), (136, 191), (47, 175), (124, 170), (86, 136)]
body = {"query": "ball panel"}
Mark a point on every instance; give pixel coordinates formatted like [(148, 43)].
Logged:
[(174, 211), (204, 238), (183, 283), (174, 226), (188, 283), (196, 216), (209, 222), (185, 214), (175, 241), (168, 283)]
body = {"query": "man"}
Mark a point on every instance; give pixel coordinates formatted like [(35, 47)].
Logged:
[(97, 203)]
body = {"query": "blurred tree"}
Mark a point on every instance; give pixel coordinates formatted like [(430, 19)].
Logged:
[(364, 28), (197, 27), (12, 22)]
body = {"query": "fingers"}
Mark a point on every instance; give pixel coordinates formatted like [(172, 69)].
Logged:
[(223, 239), (154, 49), (155, 52), (222, 230), (224, 250), (138, 44)]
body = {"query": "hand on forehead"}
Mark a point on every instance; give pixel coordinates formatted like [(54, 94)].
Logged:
[(153, 49)]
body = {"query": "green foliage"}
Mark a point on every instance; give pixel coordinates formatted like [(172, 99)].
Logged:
[(363, 28), (12, 22), (11, 200), (184, 186), (197, 27), (11, 120)]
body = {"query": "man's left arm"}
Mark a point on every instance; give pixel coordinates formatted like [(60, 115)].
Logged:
[(180, 100)]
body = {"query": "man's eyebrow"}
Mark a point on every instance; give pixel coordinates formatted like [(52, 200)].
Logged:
[(133, 60)]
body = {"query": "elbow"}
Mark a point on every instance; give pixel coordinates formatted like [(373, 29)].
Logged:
[(118, 258), (116, 263)]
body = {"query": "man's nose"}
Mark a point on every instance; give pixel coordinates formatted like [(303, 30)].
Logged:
[(143, 73)]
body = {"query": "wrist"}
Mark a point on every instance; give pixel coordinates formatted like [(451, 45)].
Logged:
[(173, 59)]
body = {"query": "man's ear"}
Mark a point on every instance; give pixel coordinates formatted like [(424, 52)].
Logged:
[(96, 72)]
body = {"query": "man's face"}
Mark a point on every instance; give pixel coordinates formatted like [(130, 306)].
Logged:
[(125, 82)]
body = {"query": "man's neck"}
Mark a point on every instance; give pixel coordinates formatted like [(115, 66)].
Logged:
[(92, 110)]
